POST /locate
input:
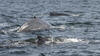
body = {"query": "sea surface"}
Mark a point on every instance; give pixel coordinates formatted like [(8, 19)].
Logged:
[(81, 23)]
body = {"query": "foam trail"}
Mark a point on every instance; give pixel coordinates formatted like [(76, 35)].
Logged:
[(66, 40), (59, 27)]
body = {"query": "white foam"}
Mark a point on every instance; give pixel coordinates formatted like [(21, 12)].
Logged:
[(59, 27), (14, 29), (66, 40), (75, 14)]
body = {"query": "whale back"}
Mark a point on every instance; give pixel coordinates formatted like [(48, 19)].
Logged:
[(34, 24)]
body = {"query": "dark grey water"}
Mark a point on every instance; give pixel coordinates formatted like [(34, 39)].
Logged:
[(83, 23)]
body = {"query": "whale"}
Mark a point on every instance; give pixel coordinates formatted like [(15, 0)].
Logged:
[(37, 24), (40, 41), (34, 24)]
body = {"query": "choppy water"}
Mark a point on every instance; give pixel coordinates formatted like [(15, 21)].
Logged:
[(82, 23)]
